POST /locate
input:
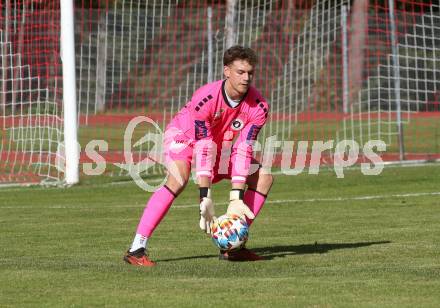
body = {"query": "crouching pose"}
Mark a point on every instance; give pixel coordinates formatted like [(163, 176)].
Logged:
[(219, 125)]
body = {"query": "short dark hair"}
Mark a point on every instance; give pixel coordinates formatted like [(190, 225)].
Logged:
[(238, 52)]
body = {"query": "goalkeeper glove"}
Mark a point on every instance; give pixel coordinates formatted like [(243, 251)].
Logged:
[(237, 207), (207, 213)]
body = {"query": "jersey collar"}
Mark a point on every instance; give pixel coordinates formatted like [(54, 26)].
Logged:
[(225, 98)]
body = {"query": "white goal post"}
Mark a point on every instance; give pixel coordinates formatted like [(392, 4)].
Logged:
[(69, 93)]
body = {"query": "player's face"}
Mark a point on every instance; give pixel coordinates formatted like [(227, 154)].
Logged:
[(239, 76)]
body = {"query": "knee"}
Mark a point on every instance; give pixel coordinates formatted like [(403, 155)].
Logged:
[(177, 185), (182, 186)]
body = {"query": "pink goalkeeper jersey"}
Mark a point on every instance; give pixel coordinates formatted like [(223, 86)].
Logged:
[(208, 121)]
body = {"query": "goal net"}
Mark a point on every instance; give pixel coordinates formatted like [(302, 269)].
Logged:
[(30, 97)]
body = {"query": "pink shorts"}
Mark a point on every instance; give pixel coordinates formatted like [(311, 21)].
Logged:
[(178, 147)]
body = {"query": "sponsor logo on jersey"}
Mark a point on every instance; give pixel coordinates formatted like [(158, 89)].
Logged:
[(178, 145), (237, 124)]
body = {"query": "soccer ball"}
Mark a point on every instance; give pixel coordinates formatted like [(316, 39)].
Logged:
[(229, 232)]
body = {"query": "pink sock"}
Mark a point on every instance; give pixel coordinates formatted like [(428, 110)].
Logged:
[(155, 210), (255, 201)]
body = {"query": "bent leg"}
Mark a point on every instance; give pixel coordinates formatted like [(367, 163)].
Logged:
[(161, 200), (259, 185), (178, 162)]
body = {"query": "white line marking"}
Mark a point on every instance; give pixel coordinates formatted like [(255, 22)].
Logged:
[(282, 201), (436, 193)]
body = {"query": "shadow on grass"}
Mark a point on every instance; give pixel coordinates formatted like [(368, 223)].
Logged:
[(317, 248), (272, 252)]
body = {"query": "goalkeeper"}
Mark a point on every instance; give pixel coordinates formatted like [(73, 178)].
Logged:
[(219, 125)]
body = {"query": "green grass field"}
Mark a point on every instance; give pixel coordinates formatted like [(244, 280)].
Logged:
[(366, 241)]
